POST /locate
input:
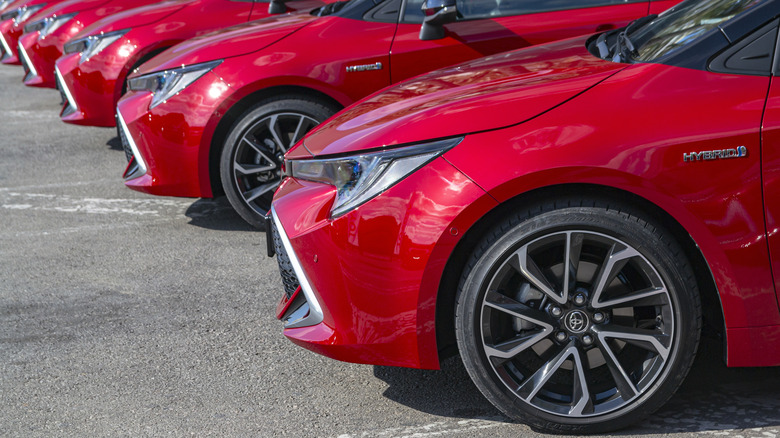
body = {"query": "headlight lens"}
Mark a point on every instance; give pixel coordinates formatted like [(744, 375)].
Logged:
[(93, 44), (165, 84), (9, 15), (27, 12), (48, 24), (360, 178)]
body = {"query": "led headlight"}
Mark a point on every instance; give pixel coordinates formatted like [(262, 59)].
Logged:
[(360, 178), (10, 15), (93, 44), (27, 12), (48, 24), (165, 84), (4, 4)]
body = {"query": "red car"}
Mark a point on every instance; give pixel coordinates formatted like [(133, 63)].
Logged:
[(46, 34), (97, 61), (12, 23), (567, 216), (216, 114)]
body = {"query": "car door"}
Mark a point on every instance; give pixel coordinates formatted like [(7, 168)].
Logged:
[(770, 157), (486, 27)]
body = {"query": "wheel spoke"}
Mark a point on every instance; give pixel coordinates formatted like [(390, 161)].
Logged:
[(299, 131), (273, 126), (531, 271), (511, 348), (623, 383), (573, 251), (582, 403), (648, 339), (652, 296), (251, 169), (616, 259), (507, 305), (260, 190), (259, 149), (532, 385)]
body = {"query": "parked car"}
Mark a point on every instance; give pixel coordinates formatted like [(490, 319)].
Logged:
[(12, 22), (216, 114), (568, 216), (93, 70), (47, 32)]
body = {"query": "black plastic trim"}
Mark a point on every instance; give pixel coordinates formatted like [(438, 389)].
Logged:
[(750, 56)]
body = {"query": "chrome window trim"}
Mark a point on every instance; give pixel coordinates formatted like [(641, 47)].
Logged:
[(28, 61), (315, 311), (71, 100), (136, 153)]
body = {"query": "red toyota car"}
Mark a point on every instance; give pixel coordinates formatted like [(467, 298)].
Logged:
[(568, 216), (46, 33), (92, 72), (217, 114), (12, 23)]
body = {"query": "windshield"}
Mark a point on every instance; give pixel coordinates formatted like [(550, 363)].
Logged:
[(682, 24)]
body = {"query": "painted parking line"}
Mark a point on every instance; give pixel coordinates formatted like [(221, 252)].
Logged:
[(439, 428), (90, 205)]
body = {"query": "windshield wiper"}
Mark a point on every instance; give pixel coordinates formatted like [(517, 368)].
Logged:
[(329, 9), (624, 47)]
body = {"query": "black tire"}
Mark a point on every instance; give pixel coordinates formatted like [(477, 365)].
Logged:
[(529, 346), (251, 145)]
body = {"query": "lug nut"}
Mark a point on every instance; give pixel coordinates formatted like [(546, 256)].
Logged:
[(579, 299), (556, 311), (587, 339), (560, 336), (598, 317)]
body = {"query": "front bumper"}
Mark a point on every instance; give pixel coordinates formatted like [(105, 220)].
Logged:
[(173, 139), (374, 273), (9, 39), (39, 57)]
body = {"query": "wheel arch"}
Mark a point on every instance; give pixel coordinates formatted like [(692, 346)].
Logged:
[(236, 109), (712, 307)]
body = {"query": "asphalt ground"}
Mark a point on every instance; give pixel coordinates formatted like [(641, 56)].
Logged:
[(123, 314)]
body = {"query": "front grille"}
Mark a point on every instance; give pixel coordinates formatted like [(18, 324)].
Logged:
[(123, 139), (289, 279), (67, 99)]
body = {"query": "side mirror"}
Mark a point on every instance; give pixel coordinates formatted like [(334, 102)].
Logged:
[(276, 7), (437, 14)]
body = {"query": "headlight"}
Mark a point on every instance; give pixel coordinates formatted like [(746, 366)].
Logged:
[(360, 178), (27, 12), (165, 84), (93, 44), (48, 24), (5, 3)]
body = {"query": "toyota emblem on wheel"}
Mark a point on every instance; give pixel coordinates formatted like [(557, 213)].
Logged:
[(576, 321)]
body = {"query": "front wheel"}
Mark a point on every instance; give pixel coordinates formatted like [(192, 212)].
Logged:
[(578, 319), (252, 156)]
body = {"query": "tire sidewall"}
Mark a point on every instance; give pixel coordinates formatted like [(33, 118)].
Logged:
[(623, 227)]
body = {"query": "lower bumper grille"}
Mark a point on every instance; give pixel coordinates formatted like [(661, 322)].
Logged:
[(29, 68), (70, 107), (289, 279), (7, 51)]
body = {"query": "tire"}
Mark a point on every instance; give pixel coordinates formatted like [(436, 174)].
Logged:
[(605, 353), (251, 159)]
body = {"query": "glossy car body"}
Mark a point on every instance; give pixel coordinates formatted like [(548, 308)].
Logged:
[(556, 122), (11, 29), (334, 59), (95, 85), (40, 52)]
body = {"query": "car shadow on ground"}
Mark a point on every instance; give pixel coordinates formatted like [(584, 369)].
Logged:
[(216, 214), (115, 144), (713, 398)]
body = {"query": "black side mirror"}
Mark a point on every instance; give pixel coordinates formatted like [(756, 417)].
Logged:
[(276, 7), (437, 14)]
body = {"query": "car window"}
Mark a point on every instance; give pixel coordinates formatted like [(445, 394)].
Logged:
[(475, 9), (683, 24)]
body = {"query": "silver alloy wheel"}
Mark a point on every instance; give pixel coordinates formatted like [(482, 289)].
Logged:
[(258, 157), (578, 338)]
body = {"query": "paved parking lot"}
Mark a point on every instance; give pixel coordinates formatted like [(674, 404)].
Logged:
[(127, 314)]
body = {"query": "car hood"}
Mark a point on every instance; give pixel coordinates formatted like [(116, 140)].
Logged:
[(484, 94), (69, 6), (233, 41), (136, 17)]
